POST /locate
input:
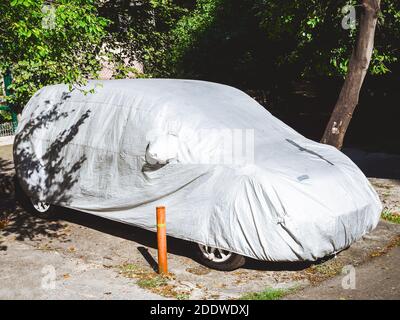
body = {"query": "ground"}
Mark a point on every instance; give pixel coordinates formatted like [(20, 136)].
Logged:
[(377, 279), (76, 255)]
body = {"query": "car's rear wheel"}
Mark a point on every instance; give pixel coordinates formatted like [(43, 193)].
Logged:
[(219, 259)]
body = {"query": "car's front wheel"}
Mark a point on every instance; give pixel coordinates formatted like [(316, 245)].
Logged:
[(219, 259)]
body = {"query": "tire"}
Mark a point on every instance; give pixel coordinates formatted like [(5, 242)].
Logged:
[(39, 209), (219, 259)]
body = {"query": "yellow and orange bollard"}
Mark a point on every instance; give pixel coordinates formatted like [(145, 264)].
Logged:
[(161, 241)]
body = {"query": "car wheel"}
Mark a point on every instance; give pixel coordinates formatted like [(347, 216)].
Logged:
[(41, 209), (38, 208), (219, 259)]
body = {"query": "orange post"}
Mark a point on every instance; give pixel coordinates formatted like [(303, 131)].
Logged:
[(161, 241)]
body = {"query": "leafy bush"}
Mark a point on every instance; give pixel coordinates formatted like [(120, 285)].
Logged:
[(45, 45)]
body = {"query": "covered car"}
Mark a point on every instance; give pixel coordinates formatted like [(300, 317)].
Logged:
[(231, 176)]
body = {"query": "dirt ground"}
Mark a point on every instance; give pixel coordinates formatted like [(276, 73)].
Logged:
[(80, 256), (378, 278)]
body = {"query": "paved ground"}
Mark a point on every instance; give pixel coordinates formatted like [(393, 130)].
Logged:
[(7, 140), (90, 257), (376, 279), (29, 273)]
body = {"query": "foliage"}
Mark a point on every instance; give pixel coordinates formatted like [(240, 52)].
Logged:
[(267, 294), (42, 46), (392, 217), (5, 116), (153, 282), (220, 41), (140, 31), (248, 42), (318, 35)]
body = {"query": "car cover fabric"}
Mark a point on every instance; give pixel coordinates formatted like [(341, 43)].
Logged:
[(229, 173)]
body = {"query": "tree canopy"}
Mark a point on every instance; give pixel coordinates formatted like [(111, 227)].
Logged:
[(49, 44), (248, 43), (251, 42)]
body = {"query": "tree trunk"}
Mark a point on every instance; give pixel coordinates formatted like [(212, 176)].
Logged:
[(358, 66)]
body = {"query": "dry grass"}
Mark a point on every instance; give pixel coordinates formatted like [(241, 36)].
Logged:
[(393, 243), (324, 271), (4, 223), (163, 285), (198, 270)]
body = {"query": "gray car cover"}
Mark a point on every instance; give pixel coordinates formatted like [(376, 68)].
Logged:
[(230, 174)]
